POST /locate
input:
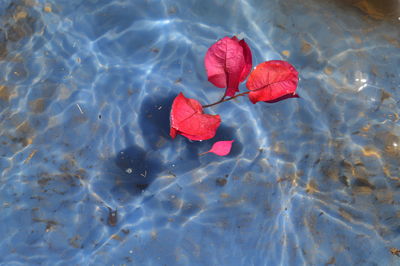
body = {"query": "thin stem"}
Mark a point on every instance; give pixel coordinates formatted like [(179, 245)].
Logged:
[(227, 99), (241, 94)]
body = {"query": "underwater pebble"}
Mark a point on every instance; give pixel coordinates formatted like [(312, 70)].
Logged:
[(221, 182)]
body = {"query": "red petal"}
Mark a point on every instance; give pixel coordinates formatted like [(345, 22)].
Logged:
[(287, 96), (187, 119), (214, 62), (272, 80), (181, 110), (248, 59), (172, 132), (222, 148), (226, 64), (200, 126)]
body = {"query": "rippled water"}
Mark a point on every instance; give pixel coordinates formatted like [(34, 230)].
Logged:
[(85, 92)]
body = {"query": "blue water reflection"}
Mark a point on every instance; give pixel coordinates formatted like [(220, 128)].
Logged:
[(85, 95)]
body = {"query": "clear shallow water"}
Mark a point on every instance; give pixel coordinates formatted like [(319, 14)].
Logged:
[(85, 95)]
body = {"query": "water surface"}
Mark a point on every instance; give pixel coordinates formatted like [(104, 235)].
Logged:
[(85, 95)]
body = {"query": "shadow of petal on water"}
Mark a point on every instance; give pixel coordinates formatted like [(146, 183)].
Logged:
[(140, 168), (154, 120), (127, 175)]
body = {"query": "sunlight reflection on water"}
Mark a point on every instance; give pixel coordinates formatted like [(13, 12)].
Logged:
[(85, 96)]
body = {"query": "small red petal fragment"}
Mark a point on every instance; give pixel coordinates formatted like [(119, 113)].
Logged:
[(187, 119), (272, 80), (228, 62), (222, 148)]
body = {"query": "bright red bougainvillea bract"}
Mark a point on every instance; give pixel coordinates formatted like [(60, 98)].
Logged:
[(272, 80), (221, 148), (187, 119), (228, 62)]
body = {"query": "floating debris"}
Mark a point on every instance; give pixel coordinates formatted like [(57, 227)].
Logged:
[(395, 252), (286, 53), (144, 174), (47, 8), (112, 217), (30, 156), (116, 237), (80, 109), (5, 93), (129, 171), (221, 182)]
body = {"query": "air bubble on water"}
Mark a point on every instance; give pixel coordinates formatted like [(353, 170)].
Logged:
[(362, 87), (129, 171)]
